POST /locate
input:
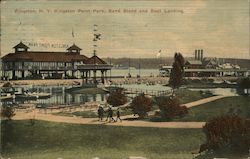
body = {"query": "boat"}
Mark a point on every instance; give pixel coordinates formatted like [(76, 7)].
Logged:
[(40, 95), (7, 91), (26, 97), (6, 96)]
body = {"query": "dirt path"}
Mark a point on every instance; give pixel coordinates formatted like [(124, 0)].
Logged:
[(79, 120), (203, 101), (137, 123)]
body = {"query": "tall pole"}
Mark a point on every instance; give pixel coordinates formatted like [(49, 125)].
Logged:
[(97, 37), (129, 65), (139, 67), (110, 69)]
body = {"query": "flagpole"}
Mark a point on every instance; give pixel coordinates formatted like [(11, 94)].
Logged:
[(73, 35)]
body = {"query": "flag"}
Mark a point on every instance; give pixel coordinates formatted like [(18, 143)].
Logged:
[(73, 35), (158, 54)]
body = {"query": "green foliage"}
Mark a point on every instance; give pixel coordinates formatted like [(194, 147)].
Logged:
[(244, 84), (226, 106), (7, 112), (228, 132), (51, 140), (171, 108), (141, 104), (117, 97), (177, 72), (186, 95)]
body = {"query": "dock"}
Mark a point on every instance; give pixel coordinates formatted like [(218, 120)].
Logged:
[(155, 93)]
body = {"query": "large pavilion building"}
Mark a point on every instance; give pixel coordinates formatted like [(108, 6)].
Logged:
[(25, 64)]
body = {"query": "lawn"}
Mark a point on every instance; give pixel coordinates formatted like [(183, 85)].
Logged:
[(84, 114), (208, 83), (239, 105), (93, 114), (47, 140), (186, 95)]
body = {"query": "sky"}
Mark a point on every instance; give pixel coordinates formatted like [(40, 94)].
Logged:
[(138, 29)]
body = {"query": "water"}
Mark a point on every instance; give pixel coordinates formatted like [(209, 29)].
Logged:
[(134, 72), (58, 97)]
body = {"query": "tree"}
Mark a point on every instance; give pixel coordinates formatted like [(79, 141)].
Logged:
[(170, 107), (7, 112), (245, 84), (177, 72), (228, 132), (141, 104), (117, 97)]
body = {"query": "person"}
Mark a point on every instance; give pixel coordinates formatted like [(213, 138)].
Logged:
[(110, 115), (100, 113), (118, 115)]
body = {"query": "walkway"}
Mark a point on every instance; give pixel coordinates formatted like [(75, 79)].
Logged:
[(203, 101), (79, 120), (136, 123)]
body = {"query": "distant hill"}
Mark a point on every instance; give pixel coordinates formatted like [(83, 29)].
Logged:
[(145, 63), (154, 63)]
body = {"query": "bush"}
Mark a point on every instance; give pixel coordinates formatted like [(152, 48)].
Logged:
[(171, 108), (117, 97), (7, 112), (244, 84), (141, 105), (228, 132)]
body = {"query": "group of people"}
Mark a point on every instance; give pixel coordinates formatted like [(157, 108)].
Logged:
[(110, 112)]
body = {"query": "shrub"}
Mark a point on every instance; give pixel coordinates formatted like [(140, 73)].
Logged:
[(117, 97), (7, 112), (171, 108), (228, 132), (141, 105), (244, 84)]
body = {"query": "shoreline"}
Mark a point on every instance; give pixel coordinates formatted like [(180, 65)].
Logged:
[(75, 82), (118, 81)]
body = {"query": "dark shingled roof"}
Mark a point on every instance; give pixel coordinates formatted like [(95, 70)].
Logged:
[(95, 60), (37, 56), (21, 45), (193, 62), (74, 47)]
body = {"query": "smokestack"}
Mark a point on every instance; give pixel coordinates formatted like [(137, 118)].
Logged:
[(199, 54), (195, 54)]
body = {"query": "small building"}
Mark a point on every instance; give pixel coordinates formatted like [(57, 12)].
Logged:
[(193, 64), (209, 63), (25, 64)]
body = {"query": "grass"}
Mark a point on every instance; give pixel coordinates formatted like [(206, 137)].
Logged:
[(84, 114), (92, 114), (46, 140), (239, 105), (187, 96), (208, 83)]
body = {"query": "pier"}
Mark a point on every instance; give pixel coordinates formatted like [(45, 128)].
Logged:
[(156, 93)]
